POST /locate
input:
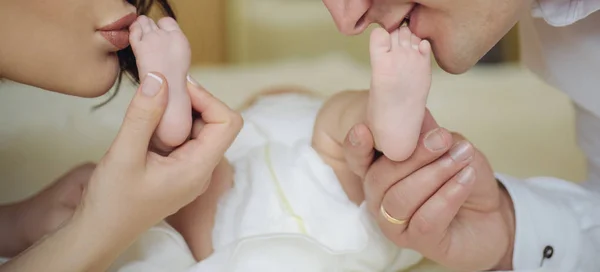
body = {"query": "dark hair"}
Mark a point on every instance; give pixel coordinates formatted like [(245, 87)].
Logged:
[(126, 57)]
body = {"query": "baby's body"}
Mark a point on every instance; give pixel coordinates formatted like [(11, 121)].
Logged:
[(317, 205), (276, 202)]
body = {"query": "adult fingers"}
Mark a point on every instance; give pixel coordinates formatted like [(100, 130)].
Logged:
[(142, 118), (221, 126), (434, 217), (404, 198), (384, 173), (359, 149)]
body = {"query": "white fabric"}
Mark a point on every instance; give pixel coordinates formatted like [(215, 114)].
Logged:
[(286, 211), (564, 12), (562, 47)]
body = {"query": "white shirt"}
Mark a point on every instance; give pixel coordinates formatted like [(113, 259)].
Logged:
[(558, 222)]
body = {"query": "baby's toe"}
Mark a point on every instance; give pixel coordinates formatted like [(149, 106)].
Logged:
[(404, 36), (425, 48), (415, 41), (168, 24), (145, 24), (135, 33), (380, 41), (153, 25)]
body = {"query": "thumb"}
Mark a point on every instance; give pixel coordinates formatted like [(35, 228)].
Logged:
[(143, 115), (359, 150), (429, 122)]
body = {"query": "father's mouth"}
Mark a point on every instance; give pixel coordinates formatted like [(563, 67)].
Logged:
[(406, 20), (392, 22)]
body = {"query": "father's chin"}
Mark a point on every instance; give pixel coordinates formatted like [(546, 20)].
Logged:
[(455, 66), (454, 62)]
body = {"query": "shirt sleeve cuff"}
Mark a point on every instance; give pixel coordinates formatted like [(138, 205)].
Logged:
[(559, 13), (547, 234)]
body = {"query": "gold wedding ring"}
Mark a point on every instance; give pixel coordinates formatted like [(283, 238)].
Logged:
[(389, 218)]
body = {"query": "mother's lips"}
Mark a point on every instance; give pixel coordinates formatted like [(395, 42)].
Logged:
[(120, 24), (117, 33), (118, 38)]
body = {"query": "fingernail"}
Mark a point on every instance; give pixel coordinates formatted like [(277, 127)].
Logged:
[(353, 138), (434, 140), (466, 175), (461, 151), (151, 85), (193, 81)]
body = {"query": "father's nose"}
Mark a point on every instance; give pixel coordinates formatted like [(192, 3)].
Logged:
[(349, 15)]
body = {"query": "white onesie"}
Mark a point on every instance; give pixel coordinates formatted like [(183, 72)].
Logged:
[(287, 211)]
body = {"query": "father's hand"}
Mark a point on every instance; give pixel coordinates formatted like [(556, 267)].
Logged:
[(443, 202)]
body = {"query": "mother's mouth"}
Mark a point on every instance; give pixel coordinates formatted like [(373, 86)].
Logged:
[(118, 38)]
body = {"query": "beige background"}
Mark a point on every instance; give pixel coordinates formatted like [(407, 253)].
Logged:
[(523, 126)]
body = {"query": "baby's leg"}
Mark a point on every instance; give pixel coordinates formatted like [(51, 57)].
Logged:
[(195, 221), (164, 48), (401, 78)]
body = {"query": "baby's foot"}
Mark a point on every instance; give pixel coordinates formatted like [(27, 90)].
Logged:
[(164, 48), (400, 83)]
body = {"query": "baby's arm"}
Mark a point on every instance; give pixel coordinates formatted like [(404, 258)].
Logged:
[(337, 116)]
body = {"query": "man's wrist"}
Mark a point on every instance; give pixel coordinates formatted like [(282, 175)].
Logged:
[(508, 213)]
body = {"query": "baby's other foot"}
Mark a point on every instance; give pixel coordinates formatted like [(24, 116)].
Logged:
[(401, 78), (164, 48)]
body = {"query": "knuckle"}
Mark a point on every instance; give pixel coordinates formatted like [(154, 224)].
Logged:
[(371, 181), (236, 119), (423, 225), (399, 238), (396, 198)]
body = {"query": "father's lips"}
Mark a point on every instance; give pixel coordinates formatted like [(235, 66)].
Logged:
[(117, 33), (407, 16)]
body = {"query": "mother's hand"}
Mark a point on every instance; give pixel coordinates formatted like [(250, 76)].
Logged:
[(135, 188), (443, 201)]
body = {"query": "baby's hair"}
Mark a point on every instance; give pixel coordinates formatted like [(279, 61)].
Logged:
[(126, 57)]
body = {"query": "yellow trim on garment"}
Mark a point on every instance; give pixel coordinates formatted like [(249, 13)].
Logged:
[(287, 206)]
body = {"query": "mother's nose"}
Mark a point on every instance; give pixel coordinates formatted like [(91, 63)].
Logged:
[(349, 15)]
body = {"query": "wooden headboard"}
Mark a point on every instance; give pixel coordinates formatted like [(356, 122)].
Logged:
[(204, 23)]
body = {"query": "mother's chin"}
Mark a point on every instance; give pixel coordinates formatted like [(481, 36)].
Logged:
[(91, 80)]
